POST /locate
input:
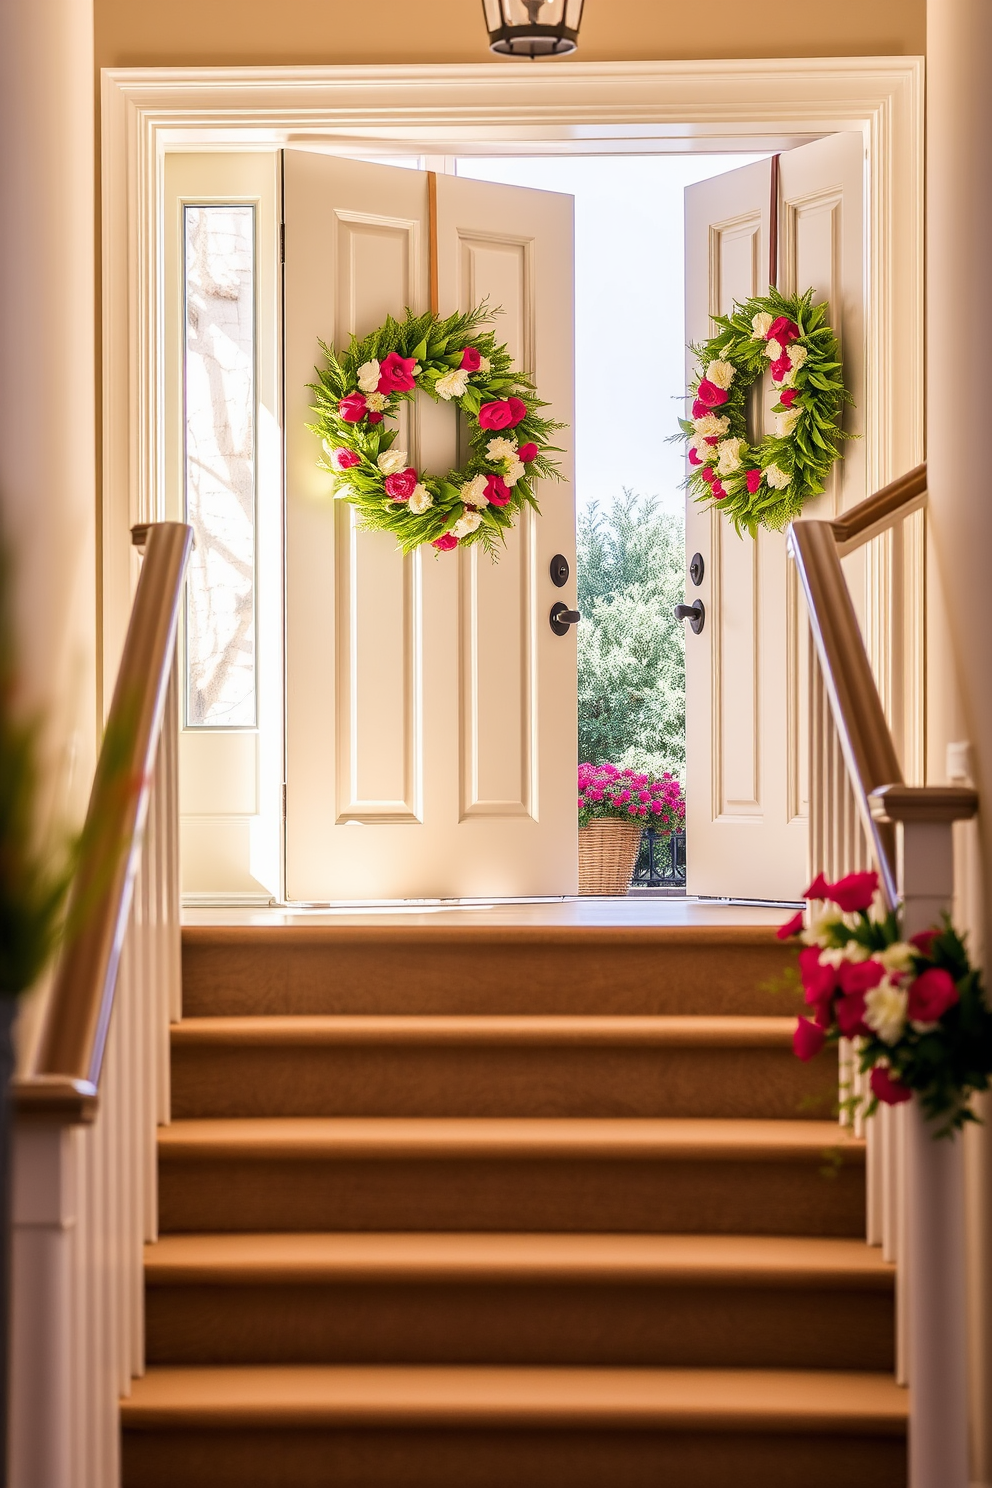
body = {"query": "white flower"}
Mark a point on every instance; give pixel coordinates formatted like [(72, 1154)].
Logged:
[(773, 350), (514, 471), (819, 930), (885, 1010), (485, 365), (466, 524), (797, 355), (420, 500), (728, 456), (776, 478), (897, 957), (786, 422), (328, 448), (853, 952), (473, 493), (377, 402), (368, 376), (711, 426), (761, 324), (501, 449), (452, 384), (721, 374), (392, 461)]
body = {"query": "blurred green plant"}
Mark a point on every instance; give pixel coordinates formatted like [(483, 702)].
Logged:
[(631, 649)]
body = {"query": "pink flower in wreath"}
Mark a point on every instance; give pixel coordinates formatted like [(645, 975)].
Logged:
[(445, 542), (527, 454), (353, 408), (853, 892), (710, 395), (699, 409), (396, 374), (781, 368), (753, 480), (496, 415), (375, 418), (719, 493), (808, 1040), (344, 459), (694, 456), (788, 397), (783, 330), (931, 995), (884, 1088), (471, 359), (791, 927), (497, 490), (400, 486), (708, 474)]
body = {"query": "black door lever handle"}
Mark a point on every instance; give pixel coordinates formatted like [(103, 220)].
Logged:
[(562, 617), (694, 613)]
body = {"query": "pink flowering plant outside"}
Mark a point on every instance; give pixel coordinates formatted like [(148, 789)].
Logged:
[(915, 1008), (630, 795)]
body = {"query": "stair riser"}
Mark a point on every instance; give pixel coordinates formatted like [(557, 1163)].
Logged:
[(493, 1194), (482, 1458), (380, 973), (424, 1080), (630, 1325)]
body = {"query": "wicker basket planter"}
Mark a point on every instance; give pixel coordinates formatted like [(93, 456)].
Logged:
[(607, 854)]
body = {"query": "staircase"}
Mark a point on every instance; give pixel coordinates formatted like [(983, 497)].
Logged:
[(524, 1207)]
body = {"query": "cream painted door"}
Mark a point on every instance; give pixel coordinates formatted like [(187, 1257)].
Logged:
[(747, 672), (431, 711)]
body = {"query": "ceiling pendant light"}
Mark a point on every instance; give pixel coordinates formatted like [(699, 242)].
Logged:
[(533, 28)]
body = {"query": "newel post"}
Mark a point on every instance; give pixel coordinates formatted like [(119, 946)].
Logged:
[(937, 1349)]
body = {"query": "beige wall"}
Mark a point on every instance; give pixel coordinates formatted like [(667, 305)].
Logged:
[(142, 33)]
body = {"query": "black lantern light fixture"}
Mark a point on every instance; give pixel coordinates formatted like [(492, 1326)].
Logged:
[(533, 28)]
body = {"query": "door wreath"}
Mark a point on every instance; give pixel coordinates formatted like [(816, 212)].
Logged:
[(453, 361), (766, 485)]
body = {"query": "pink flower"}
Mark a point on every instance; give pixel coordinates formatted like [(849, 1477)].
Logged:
[(396, 374), (818, 889), (699, 409), (471, 360), (819, 981), (923, 941), (495, 415), (445, 542), (781, 368), (850, 1014), (783, 330), (808, 1040), (931, 995), (518, 411), (753, 480), (400, 487), (527, 453), (694, 456), (788, 397), (718, 491), (353, 408), (890, 1092), (859, 976), (344, 459), (710, 395), (792, 927), (497, 490), (375, 418), (853, 892), (709, 474)]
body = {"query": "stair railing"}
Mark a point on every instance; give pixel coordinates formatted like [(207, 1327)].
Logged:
[(85, 1191), (863, 812)]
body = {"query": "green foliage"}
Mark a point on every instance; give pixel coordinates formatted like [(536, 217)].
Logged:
[(631, 573), (808, 452), (437, 346)]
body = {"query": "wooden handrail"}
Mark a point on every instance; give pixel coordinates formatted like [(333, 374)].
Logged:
[(881, 511), (64, 1085)]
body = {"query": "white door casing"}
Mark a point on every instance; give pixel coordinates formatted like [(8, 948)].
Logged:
[(431, 729), (747, 672)]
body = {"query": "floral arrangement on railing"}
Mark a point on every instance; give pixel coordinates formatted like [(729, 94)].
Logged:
[(915, 1008), (630, 796)]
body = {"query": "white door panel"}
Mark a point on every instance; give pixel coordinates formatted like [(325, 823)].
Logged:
[(430, 725), (747, 673)]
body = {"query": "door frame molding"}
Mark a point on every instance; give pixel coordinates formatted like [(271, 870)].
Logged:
[(495, 107)]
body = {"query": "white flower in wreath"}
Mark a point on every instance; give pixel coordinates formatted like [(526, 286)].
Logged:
[(452, 384), (711, 426), (728, 456), (377, 402), (797, 355), (514, 470), (368, 376), (844, 955), (392, 461), (761, 324), (786, 422), (485, 366), (466, 524), (885, 1010), (898, 957), (501, 449), (704, 450), (778, 479), (421, 499), (473, 492), (720, 374), (773, 350)]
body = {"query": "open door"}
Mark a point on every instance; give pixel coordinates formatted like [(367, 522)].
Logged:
[(431, 710), (747, 671)]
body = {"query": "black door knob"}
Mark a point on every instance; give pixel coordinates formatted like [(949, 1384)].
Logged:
[(559, 570), (697, 569), (694, 613), (562, 617)]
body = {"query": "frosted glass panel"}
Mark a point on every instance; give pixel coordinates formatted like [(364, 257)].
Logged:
[(220, 465)]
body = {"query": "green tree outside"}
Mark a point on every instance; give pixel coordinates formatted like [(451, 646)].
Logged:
[(631, 649)]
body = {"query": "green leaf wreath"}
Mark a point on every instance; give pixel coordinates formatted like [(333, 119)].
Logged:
[(766, 485), (456, 361)]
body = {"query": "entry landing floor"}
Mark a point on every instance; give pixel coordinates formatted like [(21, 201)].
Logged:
[(587, 911)]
